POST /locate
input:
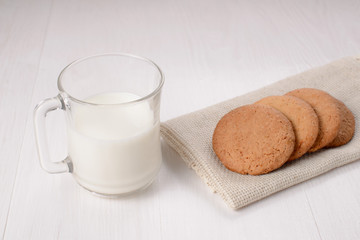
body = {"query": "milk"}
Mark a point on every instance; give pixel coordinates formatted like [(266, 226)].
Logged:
[(115, 149)]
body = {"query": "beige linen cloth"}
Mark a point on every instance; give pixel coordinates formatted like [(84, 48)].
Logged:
[(191, 136)]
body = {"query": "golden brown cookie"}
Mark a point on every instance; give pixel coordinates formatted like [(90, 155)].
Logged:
[(253, 139), (303, 118), (327, 110), (347, 127)]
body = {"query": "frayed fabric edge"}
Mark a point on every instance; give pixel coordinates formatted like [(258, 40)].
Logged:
[(189, 158)]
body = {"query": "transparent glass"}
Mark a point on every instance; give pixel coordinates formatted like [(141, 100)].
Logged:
[(112, 106)]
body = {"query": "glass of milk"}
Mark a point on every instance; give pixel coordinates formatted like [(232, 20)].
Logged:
[(112, 104)]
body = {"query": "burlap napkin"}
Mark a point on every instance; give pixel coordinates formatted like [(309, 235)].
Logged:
[(191, 136)]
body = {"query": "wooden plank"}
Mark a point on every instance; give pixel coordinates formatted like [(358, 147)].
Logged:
[(171, 208), (22, 31), (335, 203), (209, 51)]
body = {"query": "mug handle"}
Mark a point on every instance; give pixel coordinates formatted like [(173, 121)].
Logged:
[(40, 112)]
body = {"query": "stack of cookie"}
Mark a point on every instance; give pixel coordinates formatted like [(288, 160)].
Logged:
[(259, 138)]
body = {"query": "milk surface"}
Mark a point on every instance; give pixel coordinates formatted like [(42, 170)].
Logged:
[(115, 149)]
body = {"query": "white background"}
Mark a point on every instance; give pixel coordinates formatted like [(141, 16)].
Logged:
[(210, 51)]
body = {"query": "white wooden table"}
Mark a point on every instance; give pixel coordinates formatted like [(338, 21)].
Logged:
[(209, 51)]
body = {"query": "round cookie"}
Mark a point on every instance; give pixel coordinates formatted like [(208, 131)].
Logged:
[(347, 127), (327, 110), (303, 118), (253, 139)]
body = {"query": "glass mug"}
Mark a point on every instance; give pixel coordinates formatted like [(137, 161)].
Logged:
[(112, 106)]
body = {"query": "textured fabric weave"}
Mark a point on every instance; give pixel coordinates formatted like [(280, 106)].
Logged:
[(191, 136)]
